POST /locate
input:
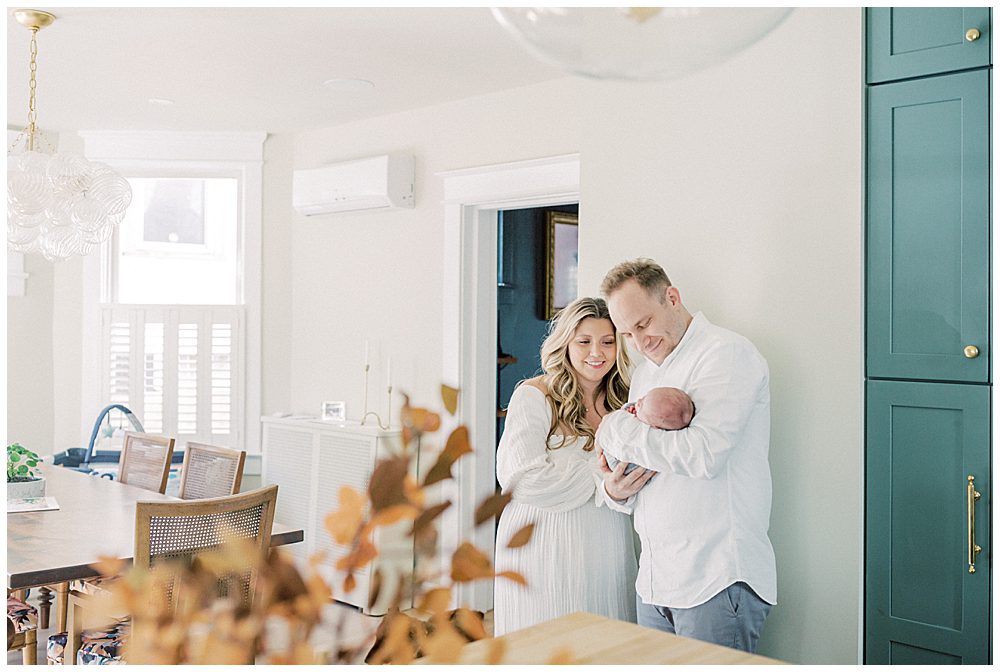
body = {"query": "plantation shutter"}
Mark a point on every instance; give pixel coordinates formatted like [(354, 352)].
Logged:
[(178, 369)]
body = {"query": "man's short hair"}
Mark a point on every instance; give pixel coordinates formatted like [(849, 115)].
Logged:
[(649, 274)]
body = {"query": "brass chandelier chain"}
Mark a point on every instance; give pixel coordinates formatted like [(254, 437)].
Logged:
[(33, 68)]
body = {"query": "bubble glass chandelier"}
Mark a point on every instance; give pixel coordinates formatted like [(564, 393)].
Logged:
[(58, 204)]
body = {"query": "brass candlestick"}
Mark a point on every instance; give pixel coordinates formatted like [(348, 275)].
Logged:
[(365, 412)]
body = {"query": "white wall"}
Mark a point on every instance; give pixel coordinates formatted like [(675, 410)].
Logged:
[(29, 360), (744, 181), (44, 357)]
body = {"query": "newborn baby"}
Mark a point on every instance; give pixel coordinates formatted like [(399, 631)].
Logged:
[(662, 408)]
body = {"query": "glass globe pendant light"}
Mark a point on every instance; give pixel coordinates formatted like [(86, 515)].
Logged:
[(636, 43), (58, 204)]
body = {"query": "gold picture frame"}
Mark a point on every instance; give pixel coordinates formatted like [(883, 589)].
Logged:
[(562, 260)]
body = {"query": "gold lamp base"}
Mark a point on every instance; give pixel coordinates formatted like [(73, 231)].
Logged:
[(33, 18)]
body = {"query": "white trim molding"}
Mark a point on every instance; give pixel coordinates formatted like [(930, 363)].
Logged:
[(173, 146), (16, 277), (472, 198), (544, 179)]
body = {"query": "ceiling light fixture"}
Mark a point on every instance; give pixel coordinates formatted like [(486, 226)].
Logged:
[(58, 204), (636, 43)]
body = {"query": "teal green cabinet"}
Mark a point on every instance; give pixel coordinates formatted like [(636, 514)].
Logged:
[(922, 604), (906, 42), (928, 245)]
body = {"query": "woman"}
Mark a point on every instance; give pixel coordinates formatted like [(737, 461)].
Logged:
[(580, 557)]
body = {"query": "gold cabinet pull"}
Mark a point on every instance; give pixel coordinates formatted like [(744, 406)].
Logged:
[(972, 34), (971, 498), (971, 351)]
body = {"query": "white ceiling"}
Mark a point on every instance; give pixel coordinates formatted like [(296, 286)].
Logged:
[(255, 69)]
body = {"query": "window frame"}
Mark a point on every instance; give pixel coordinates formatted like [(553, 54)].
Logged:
[(152, 154)]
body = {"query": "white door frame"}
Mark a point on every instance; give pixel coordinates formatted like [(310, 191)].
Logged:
[(472, 198)]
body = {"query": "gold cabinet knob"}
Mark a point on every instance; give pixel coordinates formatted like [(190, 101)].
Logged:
[(972, 34), (971, 351)]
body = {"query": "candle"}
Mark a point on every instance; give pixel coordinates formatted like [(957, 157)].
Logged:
[(366, 353), (388, 373)]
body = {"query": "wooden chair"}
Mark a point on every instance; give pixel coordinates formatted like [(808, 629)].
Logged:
[(180, 530), (145, 461), (211, 471)]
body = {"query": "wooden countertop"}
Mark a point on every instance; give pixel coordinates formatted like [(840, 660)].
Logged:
[(589, 639)]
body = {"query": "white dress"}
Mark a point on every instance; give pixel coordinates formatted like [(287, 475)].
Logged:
[(581, 556)]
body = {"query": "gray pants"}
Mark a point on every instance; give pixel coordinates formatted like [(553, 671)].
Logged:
[(733, 618)]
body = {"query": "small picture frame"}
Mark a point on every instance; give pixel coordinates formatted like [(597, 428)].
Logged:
[(334, 411)]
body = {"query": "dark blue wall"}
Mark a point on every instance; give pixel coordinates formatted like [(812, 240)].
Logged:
[(521, 295)]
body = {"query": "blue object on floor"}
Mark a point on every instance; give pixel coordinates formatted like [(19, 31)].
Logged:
[(85, 461)]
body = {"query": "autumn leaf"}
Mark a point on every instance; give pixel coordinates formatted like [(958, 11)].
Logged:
[(224, 651), (394, 514), (396, 646), (359, 556), (343, 523), (413, 491), (416, 421), (522, 536), (427, 517), (491, 506), (457, 445), (449, 396), (469, 563), (425, 542), (435, 600), (470, 624), (513, 576), (385, 487), (496, 650), (286, 580), (444, 645), (108, 565)]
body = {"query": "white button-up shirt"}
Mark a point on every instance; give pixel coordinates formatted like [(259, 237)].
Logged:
[(703, 518)]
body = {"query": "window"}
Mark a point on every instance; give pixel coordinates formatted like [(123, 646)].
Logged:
[(184, 229), (173, 322), (173, 300)]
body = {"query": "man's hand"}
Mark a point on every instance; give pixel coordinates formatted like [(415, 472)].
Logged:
[(619, 485)]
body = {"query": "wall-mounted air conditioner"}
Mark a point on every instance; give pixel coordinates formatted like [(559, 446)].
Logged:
[(378, 182)]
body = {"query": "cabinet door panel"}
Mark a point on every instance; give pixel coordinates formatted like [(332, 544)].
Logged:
[(908, 42), (928, 228), (922, 604)]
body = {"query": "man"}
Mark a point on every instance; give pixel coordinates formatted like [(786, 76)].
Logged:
[(706, 569)]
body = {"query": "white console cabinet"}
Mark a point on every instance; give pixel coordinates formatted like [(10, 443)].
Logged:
[(309, 461)]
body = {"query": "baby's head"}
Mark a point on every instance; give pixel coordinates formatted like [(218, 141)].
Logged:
[(665, 408)]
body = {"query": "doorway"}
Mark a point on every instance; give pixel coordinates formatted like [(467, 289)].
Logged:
[(523, 244), (473, 197)]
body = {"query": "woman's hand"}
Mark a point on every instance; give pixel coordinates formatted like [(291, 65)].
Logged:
[(619, 485)]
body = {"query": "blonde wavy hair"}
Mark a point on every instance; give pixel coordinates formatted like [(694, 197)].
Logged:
[(565, 394)]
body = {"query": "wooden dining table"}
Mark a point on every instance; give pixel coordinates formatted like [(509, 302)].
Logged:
[(95, 519), (586, 639)]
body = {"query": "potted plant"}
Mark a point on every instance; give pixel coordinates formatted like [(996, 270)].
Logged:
[(23, 479)]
